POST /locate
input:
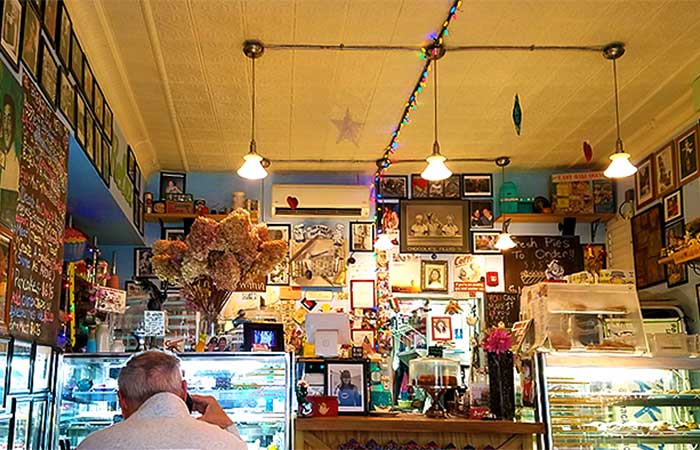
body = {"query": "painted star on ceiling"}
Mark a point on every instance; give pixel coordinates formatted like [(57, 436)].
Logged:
[(348, 129)]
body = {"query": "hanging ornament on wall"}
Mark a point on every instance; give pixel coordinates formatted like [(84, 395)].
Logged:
[(517, 115), (348, 129), (587, 151)]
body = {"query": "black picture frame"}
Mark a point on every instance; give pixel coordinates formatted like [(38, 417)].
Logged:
[(473, 185), (137, 177), (106, 158), (484, 246), (388, 216), (130, 164), (66, 97), (173, 233), (366, 246), (676, 274), (87, 84), (80, 121), (134, 209), (31, 22), (141, 217), (311, 371), (13, 60), (108, 126), (252, 332), (447, 189), (647, 242), (90, 140), (393, 187), (63, 35), (171, 183), (143, 269), (76, 60), (49, 18), (48, 73), (334, 369), (425, 235), (478, 220), (98, 103)]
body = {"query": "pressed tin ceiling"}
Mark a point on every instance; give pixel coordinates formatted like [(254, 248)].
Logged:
[(180, 86)]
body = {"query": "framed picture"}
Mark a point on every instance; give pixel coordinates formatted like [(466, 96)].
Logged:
[(48, 76), (135, 210), (434, 226), (647, 242), (106, 158), (21, 367), (433, 276), (137, 175), (477, 185), (141, 211), (65, 29), (51, 18), (98, 103), (280, 274), (358, 336), (30, 40), (37, 424), (676, 274), (88, 85), (347, 382), (171, 183), (130, 164), (441, 328), (4, 364), (42, 368), (174, 234), (388, 216), (393, 187), (134, 289), (66, 98), (7, 258), (76, 59), (673, 206), (665, 170), (108, 126), (11, 31), (362, 236), (594, 257), (644, 182), (20, 432), (80, 121), (142, 263), (481, 213), (362, 294), (443, 189), (485, 242), (687, 156)]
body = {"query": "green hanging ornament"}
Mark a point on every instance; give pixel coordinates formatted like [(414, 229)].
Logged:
[(517, 115)]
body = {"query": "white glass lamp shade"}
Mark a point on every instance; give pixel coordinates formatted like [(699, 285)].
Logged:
[(436, 170), (504, 242), (620, 166), (252, 168), (383, 243)]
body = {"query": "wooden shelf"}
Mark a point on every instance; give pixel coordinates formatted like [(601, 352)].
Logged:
[(153, 217), (553, 217)]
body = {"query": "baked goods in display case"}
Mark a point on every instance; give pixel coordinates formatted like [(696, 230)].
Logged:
[(436, 375)]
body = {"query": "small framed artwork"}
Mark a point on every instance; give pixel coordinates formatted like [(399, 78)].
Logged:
[(280, 273), (687, 156), (441, 328), (134, 289), (174, 234), (76, 59), (434, 276), (388, 216), (64, 36), (90, 139), (142, 263), (347, 382), (48, 76), (477, 185), (443, 189), (481, 213), (644, 182), (51, 18), (30, 40), (11, 31), (393, 187), (434, 226), (108, 126), (4, 363), (98, 103), (171, 183), (42, 368), (360, 336), (21, 367), (676, 274), (673, 206), (130, 164), (485, 242), (136, 215), (137, 175), (665, 170), (647, 242), (363, 294), (80, 121), (66, 98), (142, 222), (97, 147), (88, 85), (7, 258), (361, 236), (106, 158)]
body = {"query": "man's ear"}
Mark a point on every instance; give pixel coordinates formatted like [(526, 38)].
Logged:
[(184, 389), (126, 412)]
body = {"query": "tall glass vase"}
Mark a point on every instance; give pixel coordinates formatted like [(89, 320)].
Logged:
[(501, 385)]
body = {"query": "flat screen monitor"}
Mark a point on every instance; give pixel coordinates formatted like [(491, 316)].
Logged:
[(263, 336)]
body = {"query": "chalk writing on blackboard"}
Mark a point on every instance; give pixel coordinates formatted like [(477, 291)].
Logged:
[(501, 307)]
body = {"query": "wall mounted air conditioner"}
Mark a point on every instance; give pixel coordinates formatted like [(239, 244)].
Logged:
[(320, 200)]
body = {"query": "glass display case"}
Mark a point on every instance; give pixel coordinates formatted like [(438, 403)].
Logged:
[(253, 388), (617, 401)]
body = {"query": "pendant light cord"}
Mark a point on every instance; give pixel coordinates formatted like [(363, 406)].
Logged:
[(617, 101), (435, 98), (252, 126)]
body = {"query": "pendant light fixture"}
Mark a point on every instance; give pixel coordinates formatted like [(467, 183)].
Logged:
[(436, 169), (504, 241), (253, 167), (620, 165)]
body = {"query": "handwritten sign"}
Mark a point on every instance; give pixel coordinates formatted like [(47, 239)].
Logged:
[(501, 307), (40, 218)]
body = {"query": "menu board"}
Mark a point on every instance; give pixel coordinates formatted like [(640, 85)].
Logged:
[(40, 218), (501, 307), (538, 258)]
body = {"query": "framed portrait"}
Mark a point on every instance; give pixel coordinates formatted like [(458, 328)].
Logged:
[(42, 368), (358, 336), (30, 40), (363, 294), (644, 182), (362, 236), (65, 29), (481, 213), (4, 364), (11, 31), (388, 216), (51, 18), (441, 328), (48, 76), (108, 125), (142, 263), (647, 242), (88, 85), (673, 206), (434, 226), (477, 185), (80, 121), (90, 139), (20, 432), (676, 274), (393, 187), (434, 276), (347, 382), (130, 164), (137, 175), (76, 59), (171, 183), (174, 234), (7, 258), (106, 158), (280, 273), (594, 257), (687, 156), (141, 211), (443, 189), (665, 170), (485, 242), (98, 103), (66, 98), (21, 367), (37, 424)]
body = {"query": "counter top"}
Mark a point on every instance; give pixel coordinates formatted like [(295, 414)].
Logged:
[(416, 424)]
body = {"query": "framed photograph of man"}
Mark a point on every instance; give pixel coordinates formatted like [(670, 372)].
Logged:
[(687, 151), (11, 31), (481, 213), (434, 226), (477, 185), (644, 182), (443, 189), (66, 97), (673, 206), (172, 183), (142, 263), (30, 41), (485, 241), (347, 382), (361, 236), (676, 274), (665, 170), (434, 276), (280, 274), (441, 328), (393, 187)]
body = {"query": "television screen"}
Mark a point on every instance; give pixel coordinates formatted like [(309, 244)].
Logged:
[(265, 337)]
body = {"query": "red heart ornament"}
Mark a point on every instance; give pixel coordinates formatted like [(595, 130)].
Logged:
[(587, 152), (293, 202)]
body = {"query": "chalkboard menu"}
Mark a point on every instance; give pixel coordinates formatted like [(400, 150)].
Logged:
[(529, 262), (501, 307), (41, 211)]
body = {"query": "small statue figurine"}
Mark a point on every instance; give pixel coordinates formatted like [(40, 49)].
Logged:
[(305, 406), (554, 271)]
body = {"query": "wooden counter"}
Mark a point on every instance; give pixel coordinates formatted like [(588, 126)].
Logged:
[(328, 433)]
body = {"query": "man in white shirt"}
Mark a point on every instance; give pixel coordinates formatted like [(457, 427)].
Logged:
[(152, 396)]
